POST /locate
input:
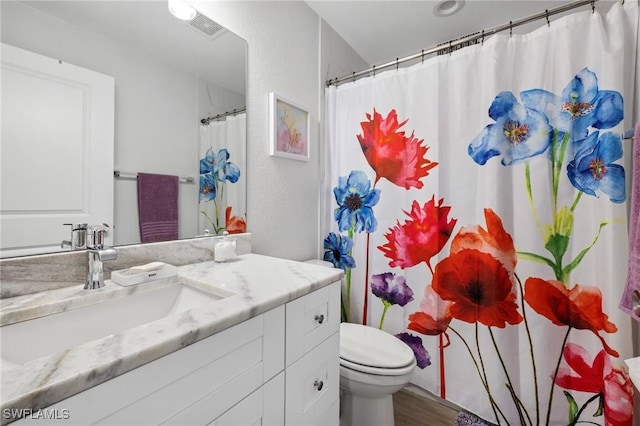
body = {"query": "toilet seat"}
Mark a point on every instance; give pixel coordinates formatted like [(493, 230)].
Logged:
[(372, 351), (359, 368)]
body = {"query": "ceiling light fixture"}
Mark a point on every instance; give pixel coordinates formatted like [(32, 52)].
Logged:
[(181, 10), (448, 7)]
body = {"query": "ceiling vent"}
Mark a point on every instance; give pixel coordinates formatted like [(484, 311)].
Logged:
[(206, 26)]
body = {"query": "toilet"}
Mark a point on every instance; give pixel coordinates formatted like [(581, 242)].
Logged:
[(373, 366)]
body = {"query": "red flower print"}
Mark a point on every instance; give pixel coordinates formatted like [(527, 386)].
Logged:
[(579, 307), (234, 224), (434, 316), (391, 154), (494, 240), (479, 287), (599, 377), (420, 238)]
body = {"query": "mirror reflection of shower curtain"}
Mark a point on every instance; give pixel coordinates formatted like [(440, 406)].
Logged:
[(222, 184)]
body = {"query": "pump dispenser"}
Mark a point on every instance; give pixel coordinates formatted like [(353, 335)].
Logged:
[(225, 249)]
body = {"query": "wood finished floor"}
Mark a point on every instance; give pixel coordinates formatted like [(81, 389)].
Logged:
[(411, 409)]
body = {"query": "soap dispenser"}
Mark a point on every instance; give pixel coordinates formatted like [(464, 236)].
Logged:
[(225, 249)]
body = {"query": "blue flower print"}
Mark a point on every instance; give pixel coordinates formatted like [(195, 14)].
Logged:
[(225, 170), (415, 343), (592, 168), (219, 166), (581, 105), (337, 251), (207, 187), (207, 162), (519, 133), (355, 199), (391, 289)]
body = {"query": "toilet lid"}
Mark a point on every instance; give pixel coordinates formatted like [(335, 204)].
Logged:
[(368, 346)]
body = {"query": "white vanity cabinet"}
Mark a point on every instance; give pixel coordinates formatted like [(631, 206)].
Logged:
[(312, 358), (278, 368)]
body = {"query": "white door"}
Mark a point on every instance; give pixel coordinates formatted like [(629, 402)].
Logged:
[(56, 151)]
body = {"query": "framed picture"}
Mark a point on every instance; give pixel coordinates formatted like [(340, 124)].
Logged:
[(288, 129)]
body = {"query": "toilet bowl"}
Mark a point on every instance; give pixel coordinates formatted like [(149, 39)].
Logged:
[(373, 366)]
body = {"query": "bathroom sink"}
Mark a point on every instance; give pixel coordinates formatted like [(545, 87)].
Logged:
[(28, 340)]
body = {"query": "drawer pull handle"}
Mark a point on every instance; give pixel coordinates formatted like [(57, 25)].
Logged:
[(318, 384), (319, 318)]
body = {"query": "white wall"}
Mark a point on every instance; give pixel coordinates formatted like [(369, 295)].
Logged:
[(284, 39)]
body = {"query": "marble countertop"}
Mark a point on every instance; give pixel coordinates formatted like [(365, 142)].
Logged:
[(258, 283)]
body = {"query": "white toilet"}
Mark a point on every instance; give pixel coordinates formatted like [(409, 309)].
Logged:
[(373, 366)]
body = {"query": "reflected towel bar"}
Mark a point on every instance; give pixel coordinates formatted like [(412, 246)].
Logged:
[(134, 176)]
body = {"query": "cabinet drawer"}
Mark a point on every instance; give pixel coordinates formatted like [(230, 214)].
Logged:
[(311, 319), (313, 384)]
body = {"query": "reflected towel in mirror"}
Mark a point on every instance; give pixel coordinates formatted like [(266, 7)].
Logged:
[(157, 207)]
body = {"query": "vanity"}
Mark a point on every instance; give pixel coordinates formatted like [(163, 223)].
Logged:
[(250, 341)]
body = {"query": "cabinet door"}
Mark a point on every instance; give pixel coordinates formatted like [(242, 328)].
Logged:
[(311, 319), (313, 385), (264, 407)]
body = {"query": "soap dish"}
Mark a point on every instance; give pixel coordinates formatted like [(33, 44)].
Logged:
[(143, 273)]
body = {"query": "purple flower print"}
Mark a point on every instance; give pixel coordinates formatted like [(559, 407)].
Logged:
[(391, 289), (415, 343)]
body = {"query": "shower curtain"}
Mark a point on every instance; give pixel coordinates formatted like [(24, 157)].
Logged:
[(222, 176), (477, 204)]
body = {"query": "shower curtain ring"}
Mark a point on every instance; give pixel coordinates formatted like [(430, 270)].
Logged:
[(397, 64), (354, 76), (423, 56), (510, 28), (450, 47), (546, 13), (374, 70), (482, 38), (593, 6)]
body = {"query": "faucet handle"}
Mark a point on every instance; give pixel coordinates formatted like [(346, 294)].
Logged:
[(95, 236)]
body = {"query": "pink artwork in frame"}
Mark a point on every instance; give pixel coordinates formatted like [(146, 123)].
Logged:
[(289, 129)]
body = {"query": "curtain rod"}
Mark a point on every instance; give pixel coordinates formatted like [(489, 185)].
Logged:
[(208, 120), (481, 35)]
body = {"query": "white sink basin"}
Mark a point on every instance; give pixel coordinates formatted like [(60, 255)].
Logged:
[(38, 337)]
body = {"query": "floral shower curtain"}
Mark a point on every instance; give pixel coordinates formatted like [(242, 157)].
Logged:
[(477, 204), (222, 176)]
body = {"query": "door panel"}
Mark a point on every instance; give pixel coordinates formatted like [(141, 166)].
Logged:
[(56, 151)]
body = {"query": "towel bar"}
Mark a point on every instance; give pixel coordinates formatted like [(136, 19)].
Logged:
[(124, 175)]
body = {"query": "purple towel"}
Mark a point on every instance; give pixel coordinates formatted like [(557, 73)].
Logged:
[(633, 270), (157, 207)]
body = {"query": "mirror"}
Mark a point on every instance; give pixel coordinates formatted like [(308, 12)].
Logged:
[(168, 76)]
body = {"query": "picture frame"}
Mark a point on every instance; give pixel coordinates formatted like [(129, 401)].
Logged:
[(288, 129)]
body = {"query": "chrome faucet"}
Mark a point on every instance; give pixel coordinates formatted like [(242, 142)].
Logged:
[(97, 253)]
